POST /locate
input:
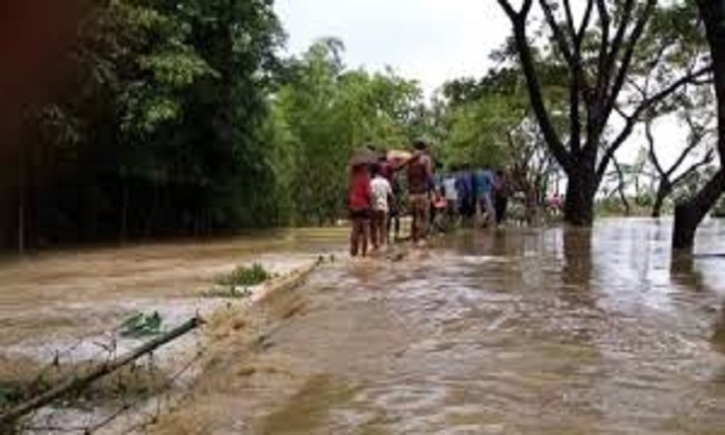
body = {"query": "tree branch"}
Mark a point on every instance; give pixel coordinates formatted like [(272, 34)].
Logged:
[(559, 36), (511, 12), (506, 6), (569, 19), (611, 54), (706, 160), (573, 57), (652, 153), (579, 36), (645, 105), (694, 141), (537, 100), (621, 75), (606, 23), (621, 185)]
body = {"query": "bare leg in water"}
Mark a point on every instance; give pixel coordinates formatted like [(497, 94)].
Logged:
[(359, 237)]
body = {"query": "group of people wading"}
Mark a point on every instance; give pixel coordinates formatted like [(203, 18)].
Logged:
[(434, 200)]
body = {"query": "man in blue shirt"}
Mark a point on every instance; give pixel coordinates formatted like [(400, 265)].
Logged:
[(466, 195), (483, 180)]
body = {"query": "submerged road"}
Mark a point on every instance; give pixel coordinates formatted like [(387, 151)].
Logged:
[(518, 332)]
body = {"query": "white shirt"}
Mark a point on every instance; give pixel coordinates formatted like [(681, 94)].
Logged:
[(381, 191), (449, 186)]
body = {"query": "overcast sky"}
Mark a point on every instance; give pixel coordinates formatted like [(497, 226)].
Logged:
[(428, 40)]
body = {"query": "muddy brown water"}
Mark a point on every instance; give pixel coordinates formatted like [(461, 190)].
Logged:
[(75, 293), (517, 332), (521, 331)]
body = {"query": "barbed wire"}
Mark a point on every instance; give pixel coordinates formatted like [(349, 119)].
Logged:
[(141, 391)]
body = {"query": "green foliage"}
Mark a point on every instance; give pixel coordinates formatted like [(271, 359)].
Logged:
[(321, 114), (10, 394), (244, 276), (181, 118), (162, 130), (141, 325), (490, 124)]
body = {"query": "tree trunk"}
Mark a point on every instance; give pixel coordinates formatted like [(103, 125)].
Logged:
[(623, 199), (663, 191), (580, 191), (690, 214)]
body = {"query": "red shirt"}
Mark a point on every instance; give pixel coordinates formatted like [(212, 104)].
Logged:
[(360, 193)]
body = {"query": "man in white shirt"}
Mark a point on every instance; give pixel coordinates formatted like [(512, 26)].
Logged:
[(451, 192), (382, 193)]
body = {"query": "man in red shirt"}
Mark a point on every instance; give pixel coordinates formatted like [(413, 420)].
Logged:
[(360, 209)]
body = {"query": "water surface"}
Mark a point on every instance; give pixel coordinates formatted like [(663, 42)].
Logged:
[(518, 331)]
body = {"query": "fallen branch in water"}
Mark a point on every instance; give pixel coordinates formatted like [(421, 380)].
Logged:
[(76, 384)]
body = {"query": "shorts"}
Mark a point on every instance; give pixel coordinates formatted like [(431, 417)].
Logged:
[(360, 213)]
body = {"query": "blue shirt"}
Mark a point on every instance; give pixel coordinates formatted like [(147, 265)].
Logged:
[(483, 179), (464, 184)]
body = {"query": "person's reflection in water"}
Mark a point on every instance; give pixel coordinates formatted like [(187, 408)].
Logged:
[(500, 246)]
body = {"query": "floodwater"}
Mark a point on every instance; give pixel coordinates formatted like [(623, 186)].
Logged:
[(74, 293), (518, 332)]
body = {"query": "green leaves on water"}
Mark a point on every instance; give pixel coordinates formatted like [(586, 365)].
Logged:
[(141, 325)]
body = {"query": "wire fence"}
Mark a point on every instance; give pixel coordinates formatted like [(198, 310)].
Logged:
[(110, 383), (126, 400)]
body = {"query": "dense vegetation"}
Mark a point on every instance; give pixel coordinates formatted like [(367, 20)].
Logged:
[(183, 118), (160, 130)]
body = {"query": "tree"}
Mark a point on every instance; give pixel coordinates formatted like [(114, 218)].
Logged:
[(478, 132), (160, 129), (492, 125), (598, 56), (668, 180), (327, 111), (689, 214)]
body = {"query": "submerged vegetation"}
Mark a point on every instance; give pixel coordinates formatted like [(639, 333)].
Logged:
[(245, 276), (236, 284)]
